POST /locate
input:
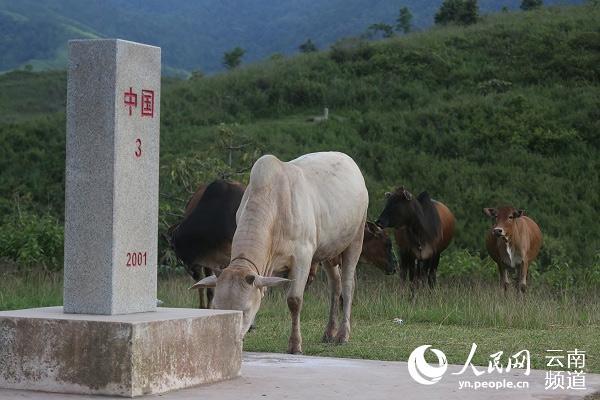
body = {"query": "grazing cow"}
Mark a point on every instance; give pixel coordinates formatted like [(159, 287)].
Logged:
[(513, 241), (293, 215), (424, 228), (202, 240)]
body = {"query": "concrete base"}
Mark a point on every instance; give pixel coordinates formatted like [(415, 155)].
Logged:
[(124, 355)]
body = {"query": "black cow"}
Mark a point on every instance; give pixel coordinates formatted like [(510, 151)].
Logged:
[(202, 240)]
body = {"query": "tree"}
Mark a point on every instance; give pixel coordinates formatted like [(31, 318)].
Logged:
[(404, 20), (527, 5), (470, 13), (463, 12), (196, 74), (308, 47), (233, 58), (387, 31)]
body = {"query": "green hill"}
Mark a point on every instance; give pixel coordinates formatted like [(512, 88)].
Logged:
[(503, 112), (194, 35)]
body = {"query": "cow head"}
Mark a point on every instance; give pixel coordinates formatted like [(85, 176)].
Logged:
[(377, 248), (399, 209), (503, 221), (239, 288)]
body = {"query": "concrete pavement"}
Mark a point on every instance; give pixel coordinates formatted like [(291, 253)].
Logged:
[(281, 376)]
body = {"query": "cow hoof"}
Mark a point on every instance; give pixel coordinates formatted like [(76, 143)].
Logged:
[(341, 339), (522, 288), (329, 337), (294, 349)]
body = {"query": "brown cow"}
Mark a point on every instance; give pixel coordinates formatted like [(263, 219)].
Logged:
[(514, 241), (376, 250), (424, 228)]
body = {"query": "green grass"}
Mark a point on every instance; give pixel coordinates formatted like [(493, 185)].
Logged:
[(449, 318)]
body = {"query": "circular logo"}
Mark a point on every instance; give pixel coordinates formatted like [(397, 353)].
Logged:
[(421, 371)]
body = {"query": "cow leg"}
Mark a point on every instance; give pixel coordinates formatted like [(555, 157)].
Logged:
[(201, 274), (419, 273), (523, 276), (209, 291), (413, 276), (298, 275), (432, 270), (350, 258), (334, 281), (504, 280), (314, 270), (404, 266)]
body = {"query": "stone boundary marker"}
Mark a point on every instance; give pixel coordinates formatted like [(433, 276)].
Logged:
[(110, 338), (111, 199)]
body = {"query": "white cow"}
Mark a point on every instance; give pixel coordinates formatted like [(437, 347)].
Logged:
[(293, 215)]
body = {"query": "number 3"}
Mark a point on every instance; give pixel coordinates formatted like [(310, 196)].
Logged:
[(138, 150)]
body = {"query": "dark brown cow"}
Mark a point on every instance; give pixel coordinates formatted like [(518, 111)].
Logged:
[(376, 250), (202, 240), (513, 241), (424, 228)]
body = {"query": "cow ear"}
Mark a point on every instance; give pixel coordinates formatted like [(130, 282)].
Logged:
[(375, 230), (518, 213), (388, 195), (407, 195), (208, 282), (370, 227), (490, 212), (269, 281)]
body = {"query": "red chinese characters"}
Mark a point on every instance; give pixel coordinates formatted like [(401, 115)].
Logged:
[(148, 103), (130, 99)]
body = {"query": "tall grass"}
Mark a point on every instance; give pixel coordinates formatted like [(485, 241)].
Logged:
[(451, 316), (459, 303)]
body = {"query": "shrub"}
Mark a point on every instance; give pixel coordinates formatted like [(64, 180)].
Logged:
[(32, 240), (527, 5), (351, 50), (462, 12)]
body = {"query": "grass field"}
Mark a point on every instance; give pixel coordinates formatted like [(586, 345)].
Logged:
[(450, 318)]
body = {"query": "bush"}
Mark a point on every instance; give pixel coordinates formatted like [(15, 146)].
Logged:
[(462, 12), (32, 240), (527, 5), (463, 265), (351, 50)]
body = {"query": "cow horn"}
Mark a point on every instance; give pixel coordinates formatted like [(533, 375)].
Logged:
[(208, 282), (490, 212), (269, 281)]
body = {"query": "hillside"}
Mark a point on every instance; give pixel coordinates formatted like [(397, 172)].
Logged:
[(503, 112), (194, 35)]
